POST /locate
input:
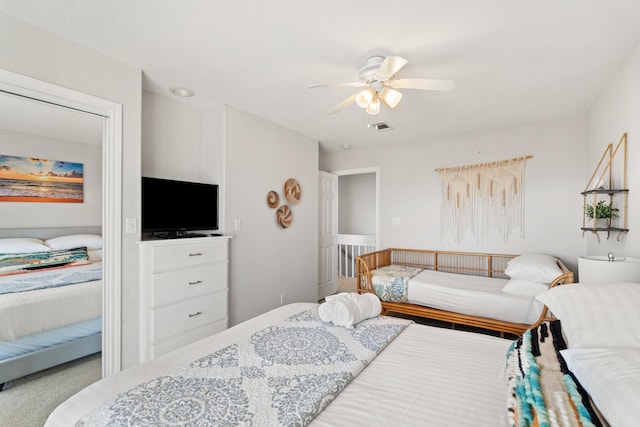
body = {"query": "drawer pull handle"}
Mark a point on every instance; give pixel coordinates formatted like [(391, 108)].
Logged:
[(197, 313), (195, 283), (196, 254)]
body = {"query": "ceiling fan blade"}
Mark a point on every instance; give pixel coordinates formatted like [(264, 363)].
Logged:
[(424, 84), (351, 84), (390, 66), (343, 104)]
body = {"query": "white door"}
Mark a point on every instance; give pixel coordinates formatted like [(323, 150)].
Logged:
[(327, 234)]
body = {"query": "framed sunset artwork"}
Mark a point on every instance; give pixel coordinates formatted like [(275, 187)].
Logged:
[(27, 179)]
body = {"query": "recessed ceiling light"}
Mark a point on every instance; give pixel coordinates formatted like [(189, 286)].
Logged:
[(181, 91), (346, 146)]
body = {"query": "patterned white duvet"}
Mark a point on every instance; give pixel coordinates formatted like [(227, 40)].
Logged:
[(282, 375), (425, 376)]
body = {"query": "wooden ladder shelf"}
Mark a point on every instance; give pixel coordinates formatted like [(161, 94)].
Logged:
[(600, 188)]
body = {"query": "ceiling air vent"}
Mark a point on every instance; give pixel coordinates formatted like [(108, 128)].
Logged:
[(380, 126)]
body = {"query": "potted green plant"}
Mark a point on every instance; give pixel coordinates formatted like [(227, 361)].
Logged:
[(602, 212)]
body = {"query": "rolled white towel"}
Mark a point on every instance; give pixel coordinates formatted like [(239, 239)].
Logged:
[(368, 303), (340, 296), (347, 309), (375, 308), (326, 311), (346, 314)]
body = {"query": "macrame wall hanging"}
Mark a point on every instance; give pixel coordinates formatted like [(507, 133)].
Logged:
[(483, 198)]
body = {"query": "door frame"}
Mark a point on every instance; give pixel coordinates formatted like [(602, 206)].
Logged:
[(330, 285), (111, 196), (376, 171)]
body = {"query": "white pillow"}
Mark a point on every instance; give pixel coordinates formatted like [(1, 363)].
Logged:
[(539, 268), (612, 379), (90, 241), (21, 245), (525, 287), (597, 315)]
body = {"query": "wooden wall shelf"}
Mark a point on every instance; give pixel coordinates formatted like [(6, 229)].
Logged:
[(600, 188)]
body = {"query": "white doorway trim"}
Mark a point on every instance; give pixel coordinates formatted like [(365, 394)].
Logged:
[(111, 197), (327, 234), (375, 170)]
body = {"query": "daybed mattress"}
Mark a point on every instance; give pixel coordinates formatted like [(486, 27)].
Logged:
[(25, 313), (472, 295), (397, 388)]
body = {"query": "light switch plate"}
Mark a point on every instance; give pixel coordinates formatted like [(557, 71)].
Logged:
[(131, 225)]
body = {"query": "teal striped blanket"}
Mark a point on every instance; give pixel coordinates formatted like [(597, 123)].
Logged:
[(542, 390)]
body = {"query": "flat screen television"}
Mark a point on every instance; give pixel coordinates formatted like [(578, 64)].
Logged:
[(171, 209)]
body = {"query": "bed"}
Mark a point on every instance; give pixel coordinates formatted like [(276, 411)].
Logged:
[(489, 291), (260, 373), (50, 302)]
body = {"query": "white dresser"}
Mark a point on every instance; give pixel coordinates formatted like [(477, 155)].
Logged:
[(184, 292)]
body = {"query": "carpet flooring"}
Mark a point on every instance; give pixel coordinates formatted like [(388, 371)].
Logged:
[(28, 401)]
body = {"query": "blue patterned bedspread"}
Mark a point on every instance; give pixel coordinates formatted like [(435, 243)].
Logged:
[(391, 283), (283, 375), (50, 278)]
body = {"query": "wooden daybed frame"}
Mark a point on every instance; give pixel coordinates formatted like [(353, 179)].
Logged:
[(469, 263)]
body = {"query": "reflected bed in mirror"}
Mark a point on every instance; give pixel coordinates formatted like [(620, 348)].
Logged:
[(50, 298)]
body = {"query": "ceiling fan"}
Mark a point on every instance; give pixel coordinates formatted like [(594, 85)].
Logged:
[(378, 77)]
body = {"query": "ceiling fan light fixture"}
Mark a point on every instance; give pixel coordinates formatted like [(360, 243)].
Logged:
[(378, 78), (364, 98), (374, 106), (391, 97)]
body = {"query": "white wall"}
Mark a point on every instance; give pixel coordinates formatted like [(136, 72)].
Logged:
[(616, 111), (25, 215), (248, 156), (173, 139), (183, 142), (267, 260), (357, 204), (213, 154), (35, 53), (410, 188)]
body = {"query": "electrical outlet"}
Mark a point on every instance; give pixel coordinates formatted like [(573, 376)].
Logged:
[(395, 221), (237, 224), (283, 298)]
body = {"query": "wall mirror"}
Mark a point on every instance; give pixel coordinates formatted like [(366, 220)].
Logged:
[(30, 106)]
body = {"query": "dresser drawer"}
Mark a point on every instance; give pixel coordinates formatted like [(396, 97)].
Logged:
[(170, 286), (189, 314), (187, 338), (184, 292), (187, 254)]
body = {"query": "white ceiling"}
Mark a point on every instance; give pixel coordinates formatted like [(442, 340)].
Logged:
[(513, 61), (24, 115)]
